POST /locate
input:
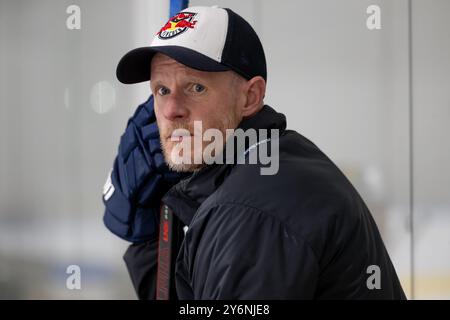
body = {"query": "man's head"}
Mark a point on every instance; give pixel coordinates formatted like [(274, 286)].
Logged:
[(183, 95), (205, 64)]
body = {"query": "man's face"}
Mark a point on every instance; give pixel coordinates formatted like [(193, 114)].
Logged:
[(184, 95)]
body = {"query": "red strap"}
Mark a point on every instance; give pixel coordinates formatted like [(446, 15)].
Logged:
[(164, 253)]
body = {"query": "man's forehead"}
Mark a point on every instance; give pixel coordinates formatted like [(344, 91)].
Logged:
[(160, 58), (162, 64)]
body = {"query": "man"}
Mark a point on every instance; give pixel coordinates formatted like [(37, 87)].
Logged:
[(300, 232)]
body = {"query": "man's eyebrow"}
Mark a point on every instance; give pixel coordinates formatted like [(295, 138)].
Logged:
[(190, 78), (197, 79), (154, 83)]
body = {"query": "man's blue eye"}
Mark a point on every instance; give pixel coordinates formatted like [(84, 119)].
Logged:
[(163, 91), (199, 88)]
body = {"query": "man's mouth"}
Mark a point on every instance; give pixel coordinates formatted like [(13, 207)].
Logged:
[(178, 137)]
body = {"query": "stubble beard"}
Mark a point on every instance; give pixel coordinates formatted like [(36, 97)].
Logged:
[(231, 121)]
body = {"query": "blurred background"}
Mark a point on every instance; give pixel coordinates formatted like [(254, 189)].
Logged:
[(377, 102)]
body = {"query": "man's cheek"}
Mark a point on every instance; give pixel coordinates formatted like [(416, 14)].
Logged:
[(162, 127), (158, 113)]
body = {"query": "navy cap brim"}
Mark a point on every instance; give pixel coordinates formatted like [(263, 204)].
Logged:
[(134, 67)]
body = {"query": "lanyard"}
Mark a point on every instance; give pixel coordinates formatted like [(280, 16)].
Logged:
[(164, 269)]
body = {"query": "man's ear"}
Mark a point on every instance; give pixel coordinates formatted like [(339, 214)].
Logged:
[(255, 91)]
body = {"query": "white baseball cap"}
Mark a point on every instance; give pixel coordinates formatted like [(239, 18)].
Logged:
[(203, 38)]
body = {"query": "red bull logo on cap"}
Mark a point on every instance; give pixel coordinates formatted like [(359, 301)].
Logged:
[(177, 25)]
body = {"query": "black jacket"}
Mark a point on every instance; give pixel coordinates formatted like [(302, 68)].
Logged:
[(303, 233)]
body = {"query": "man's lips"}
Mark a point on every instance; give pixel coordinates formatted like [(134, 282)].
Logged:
[(178, 137)]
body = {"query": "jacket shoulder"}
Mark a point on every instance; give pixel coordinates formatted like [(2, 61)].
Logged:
[(308, 193)]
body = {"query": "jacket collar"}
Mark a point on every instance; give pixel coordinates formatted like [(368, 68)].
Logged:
[(186, 197)]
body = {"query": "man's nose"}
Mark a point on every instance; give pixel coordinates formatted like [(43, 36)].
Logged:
[(174, 107)]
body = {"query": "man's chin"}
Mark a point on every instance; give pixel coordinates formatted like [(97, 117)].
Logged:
[(186, 164), (184, 167)]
